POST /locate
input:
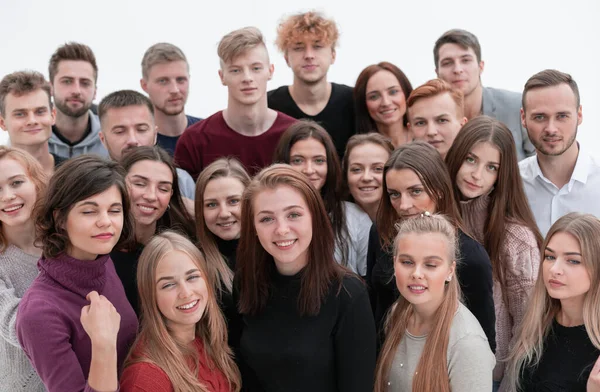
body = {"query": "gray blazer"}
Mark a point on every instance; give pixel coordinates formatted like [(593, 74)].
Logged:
[(505, 106)]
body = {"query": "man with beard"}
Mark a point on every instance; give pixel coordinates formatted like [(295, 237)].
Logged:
[(563, 177), (308, 42), (127, 119), (73, 75), (166, 80)]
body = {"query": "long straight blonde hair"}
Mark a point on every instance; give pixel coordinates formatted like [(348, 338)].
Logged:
[(432, 371), (542, 309), (158, 345)]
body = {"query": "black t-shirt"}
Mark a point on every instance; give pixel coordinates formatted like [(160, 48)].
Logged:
[(567, 359), (126, 267), (337, 117), (168, 143)]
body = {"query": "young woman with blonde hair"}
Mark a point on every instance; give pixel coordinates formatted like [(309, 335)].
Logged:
[(182, 344), (482, 163), (433, 343), (558, 340)]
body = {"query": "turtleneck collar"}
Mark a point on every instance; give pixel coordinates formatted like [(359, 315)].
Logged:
[(475, 215), (228, 248), (75, 275)]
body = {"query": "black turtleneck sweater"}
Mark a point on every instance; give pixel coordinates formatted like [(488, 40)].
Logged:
[(126, 266), (228, 248), (280, 350)]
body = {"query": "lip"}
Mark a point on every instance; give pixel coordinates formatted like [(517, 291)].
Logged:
[(408, 216), (285, 244), (472, 186), (141, 208), (416, 288), (309, 67), (13, 212), (103, 236), (190, 310), (368, 189), (249, 90), (226, 225), (175, 100), (36, 130), (555, 283)]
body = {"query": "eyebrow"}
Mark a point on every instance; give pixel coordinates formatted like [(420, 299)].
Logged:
[(26, 109), (147, 179), (476, 157), (228, 197), (432, 257), (387, 88), (172, 277), (566, 253), (94, 204), (285, 209), (15, 176)]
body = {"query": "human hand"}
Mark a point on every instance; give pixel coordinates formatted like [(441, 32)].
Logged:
[(100, 320)]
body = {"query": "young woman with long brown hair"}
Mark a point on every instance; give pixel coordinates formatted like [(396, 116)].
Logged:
[(182, 344), (558, 341), (363, 162), (307, 148), (482, 163), (156, 205), (433, 343), (305, 321), (416, 180)]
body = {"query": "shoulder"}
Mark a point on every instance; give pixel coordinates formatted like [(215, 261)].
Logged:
[(144, 376), (355, 213), (342, 89), (527, 168), (191, 120), (470, 248), (198, 127), (520, 235), (279, 92), (352, 289), (466, 332), (504, 95), (283, 120)]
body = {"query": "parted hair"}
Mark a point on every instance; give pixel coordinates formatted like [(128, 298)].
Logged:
[(432, 369), (21, 83), (254, 266), (33, 170), (238, 42), (156, 344), (123, 99), (72, 51), (550, 78), (161, 53), (462, 38), (311, 24), (73, 181)]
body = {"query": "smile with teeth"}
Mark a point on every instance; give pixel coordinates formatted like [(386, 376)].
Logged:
[(146, 208), (188, 306), (226, 224), (13, 208), (388, 111), (285, 244), (368, 188)]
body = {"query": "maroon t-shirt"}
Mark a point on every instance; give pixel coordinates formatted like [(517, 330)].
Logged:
[(211, 139)]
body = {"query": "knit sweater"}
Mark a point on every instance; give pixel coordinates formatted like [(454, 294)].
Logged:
[(521, 258), (48, 320), (17, 271), (147, 377)]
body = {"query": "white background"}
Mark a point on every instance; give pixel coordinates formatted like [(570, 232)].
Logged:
[(518, 39)]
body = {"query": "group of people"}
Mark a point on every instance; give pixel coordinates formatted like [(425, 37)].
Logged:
[(315, 237)]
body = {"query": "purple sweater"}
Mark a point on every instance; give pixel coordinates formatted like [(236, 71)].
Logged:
[(48, 319)]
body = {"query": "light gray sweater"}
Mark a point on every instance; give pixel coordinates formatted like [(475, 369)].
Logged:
[(470, 360), (17, 271)]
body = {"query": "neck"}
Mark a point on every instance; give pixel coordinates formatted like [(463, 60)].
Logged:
[(571, 312), (170, 125), (23, 237), (396, 132), (185, 334), (559, 169), (421, 320), (143, 233), (371, 210), (473, 102), (249, 120), (310, 94), (42, 154), (71, 128)]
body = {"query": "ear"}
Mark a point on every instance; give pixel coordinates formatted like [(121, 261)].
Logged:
[(287, 60), (579, 115), (3, 124), (144, 85), (481, 66), (221, 77), (452, 270), (271, 70), (333, 55), (155, 135), (436, 71), (95, 91), (102, 139), (463, 121), (523, 119), (53, 115)]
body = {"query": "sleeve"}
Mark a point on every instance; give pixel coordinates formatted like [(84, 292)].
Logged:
[(476, 283), (46, 341), (9, 302), (360, 227), (187, 186), (372, 246), (187, 156), (355, 344), (470, 365), (144, 377)]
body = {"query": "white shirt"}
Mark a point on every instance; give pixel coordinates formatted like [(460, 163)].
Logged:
[(580, 194), (359, 225)]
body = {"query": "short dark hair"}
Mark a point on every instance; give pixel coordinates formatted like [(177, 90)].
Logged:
[(20, 83), (72, 51), (75, 180), (550, 78), (462, 38), (122, 99)]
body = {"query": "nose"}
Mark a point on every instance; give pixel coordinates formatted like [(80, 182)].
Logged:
[(185, 291), (132, 138), (247, 75), (103, 219), (457, 67), (405, 203), (282, 228), (309, 52), (150, 193), (224, 212), (173, 87), (31, 118), (431, 129), (308, 168), (477, 172), (8, 194), (417, 273), (556, 268), (385, 99), (367, 175), (551, 126)]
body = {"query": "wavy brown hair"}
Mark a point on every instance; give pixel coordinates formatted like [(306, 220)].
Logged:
[(528, 346), (432, 370), (155, 344), (75, 180), (428, 165), (221, 168), (508, 202), (333, 188), (34, 171), (255, 266)]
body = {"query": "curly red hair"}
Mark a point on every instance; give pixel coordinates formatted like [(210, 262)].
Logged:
[(313, 24)]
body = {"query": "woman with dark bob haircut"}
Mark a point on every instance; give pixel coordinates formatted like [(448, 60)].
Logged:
[(380, 94), (156, 205), (416, 181), (74, 322)]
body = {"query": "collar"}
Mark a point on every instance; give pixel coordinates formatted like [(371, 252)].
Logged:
[(580, 172)]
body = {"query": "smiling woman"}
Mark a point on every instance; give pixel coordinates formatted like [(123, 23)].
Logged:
[(74, 322)]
